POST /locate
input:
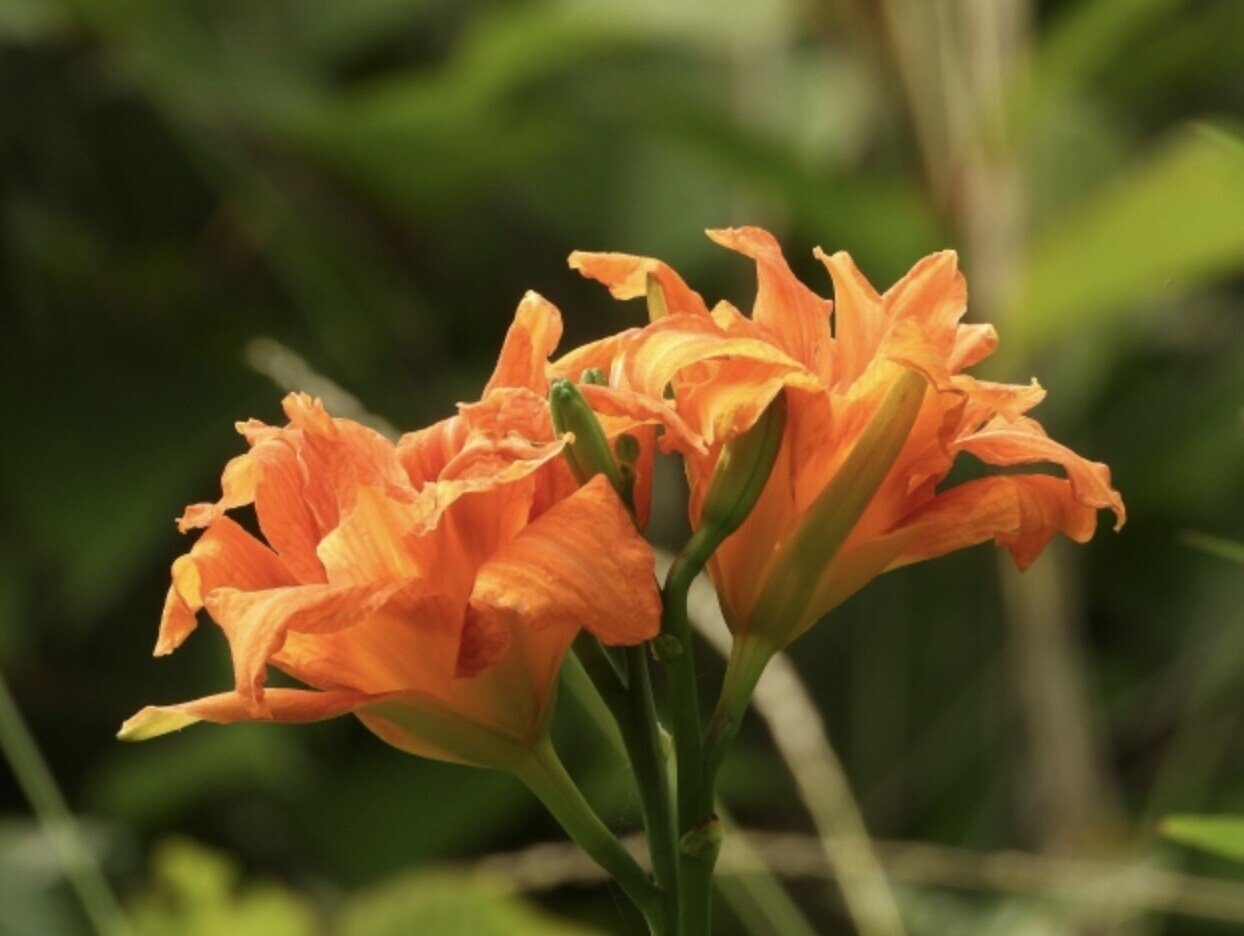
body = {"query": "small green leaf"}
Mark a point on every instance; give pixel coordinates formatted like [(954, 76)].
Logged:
[(1220, 835)]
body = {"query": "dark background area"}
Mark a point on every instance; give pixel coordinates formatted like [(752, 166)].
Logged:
[(199, 197)]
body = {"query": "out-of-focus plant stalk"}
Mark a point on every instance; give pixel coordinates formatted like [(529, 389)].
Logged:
[(37, 783)]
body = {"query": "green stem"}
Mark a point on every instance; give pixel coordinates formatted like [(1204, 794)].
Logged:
[(642, 737), (749, 656), (543, 773), (633, 708), (698, 826)]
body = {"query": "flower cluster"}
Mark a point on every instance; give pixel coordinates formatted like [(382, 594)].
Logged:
[(432, 586)]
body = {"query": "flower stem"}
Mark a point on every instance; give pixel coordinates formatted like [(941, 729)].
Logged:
[(543, 773), (633, 708), (643, 742), (698, 826)]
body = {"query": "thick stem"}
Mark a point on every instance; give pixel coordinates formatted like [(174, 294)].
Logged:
[(643, 743), (698, 826), (633, 707), (543, 773)]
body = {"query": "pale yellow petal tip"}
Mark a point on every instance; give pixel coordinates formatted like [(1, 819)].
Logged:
[(152, 722)]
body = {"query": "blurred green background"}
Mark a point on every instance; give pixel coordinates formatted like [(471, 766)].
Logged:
[(202, 200)]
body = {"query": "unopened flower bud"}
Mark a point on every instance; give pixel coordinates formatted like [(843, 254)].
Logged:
[(743, 470), (588, 453)]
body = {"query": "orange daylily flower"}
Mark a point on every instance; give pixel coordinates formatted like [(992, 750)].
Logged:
[(884, 384), (431, 587)]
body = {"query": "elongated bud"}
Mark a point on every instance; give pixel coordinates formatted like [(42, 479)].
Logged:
[(787, 605), (743, 470), (657, 309), (588, 454)]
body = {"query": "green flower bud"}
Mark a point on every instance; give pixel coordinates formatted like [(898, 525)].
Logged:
[(743, 470), (594, 376), (588, 454)]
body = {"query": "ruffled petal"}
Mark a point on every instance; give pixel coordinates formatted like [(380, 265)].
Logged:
[(425, 452), (859, 316), (532, 338), (1023, 441), (934, 294), (256, 622), (796, 316), (1020, 512), (670, 347), (226, 708), (225, 556), (627, 278), (973, 343), (237, 483), (582, 564)]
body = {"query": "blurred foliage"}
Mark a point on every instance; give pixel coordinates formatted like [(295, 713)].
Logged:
[(1219, 835), (374, 184)]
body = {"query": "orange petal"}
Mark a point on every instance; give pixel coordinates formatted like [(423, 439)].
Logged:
[(603, 355), (288, 521), (409, 645), (225, 556), (337, 457), (581, 564), (425, 452), (1021, 512), (509, 411), (627, 278), (796, 316), (859, 316), (1023, 441), (532, 338), (986, 398), (257, 622), (226, 708), (973, 343), (622, 411), (678, 342), (237, 484), (933, 294)]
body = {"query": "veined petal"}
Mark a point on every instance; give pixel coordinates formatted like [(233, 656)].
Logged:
[(796, 316), (237, 484), (509, 411), (985, 399), (1023, 441), (226, 708), (338, 456), (581, 564), (627, 278), (933, 294), (285, 506), (425, 452), (859, 316), (973, 343), (225, 556), (622, 411), (256, 622), (604, 355), (532, 338)]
